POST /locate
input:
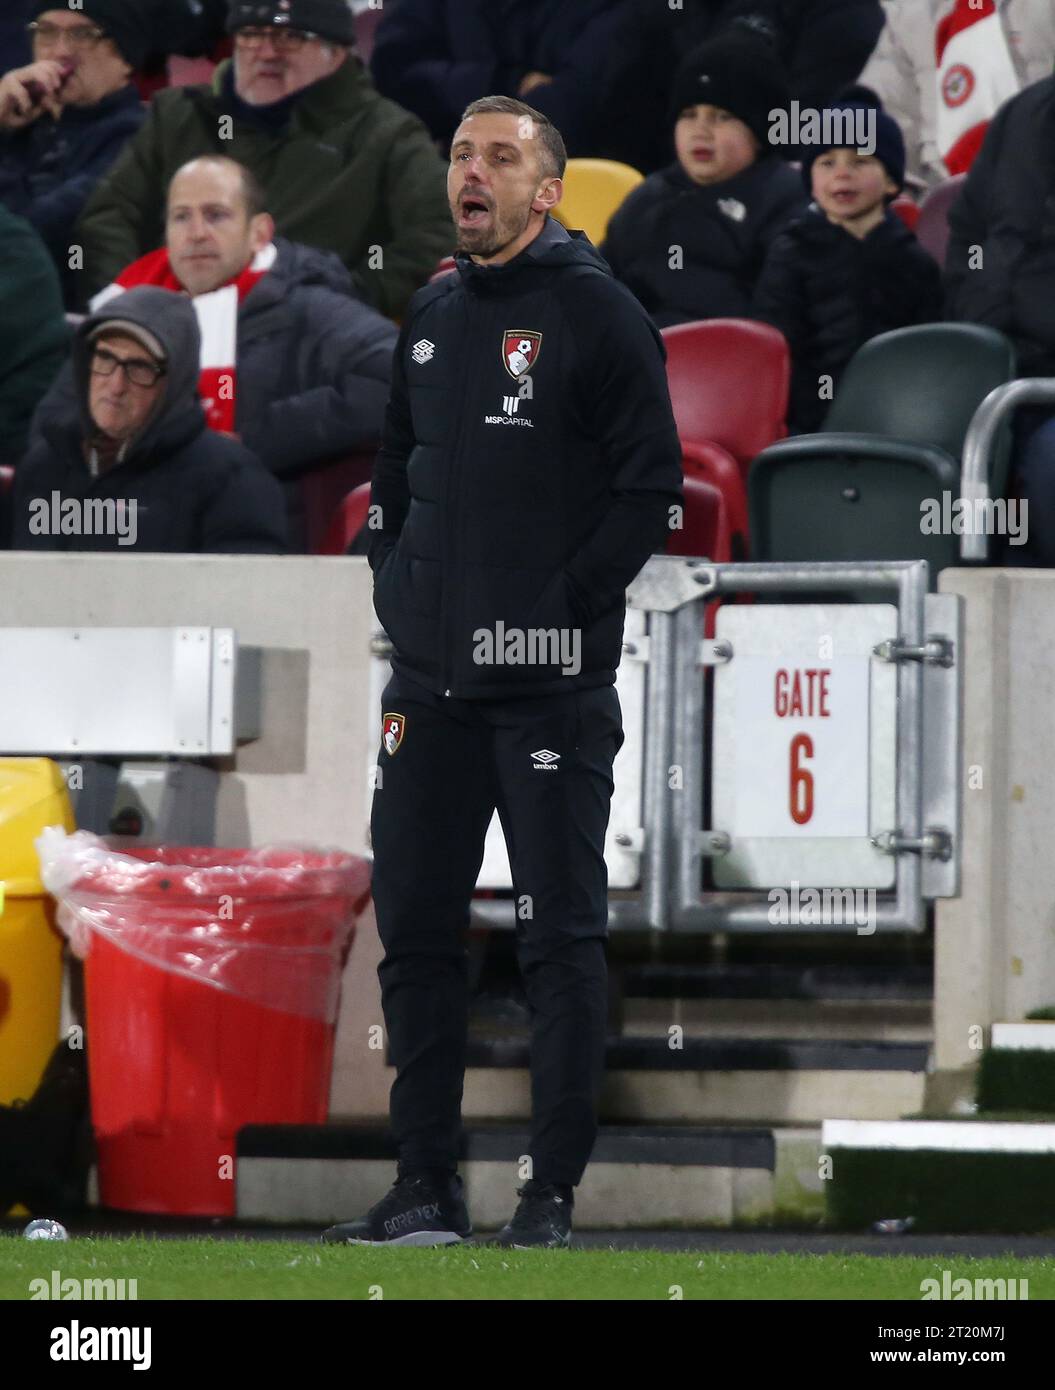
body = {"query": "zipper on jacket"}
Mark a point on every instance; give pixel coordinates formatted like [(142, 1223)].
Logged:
[(447, 665)]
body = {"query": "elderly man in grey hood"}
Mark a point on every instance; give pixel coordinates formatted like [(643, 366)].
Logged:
[(122, 457)]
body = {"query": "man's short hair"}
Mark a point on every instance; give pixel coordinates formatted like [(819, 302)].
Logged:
[(552, 154), (253, 195)]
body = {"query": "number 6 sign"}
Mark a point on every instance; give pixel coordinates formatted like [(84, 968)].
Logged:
[(797, 728)]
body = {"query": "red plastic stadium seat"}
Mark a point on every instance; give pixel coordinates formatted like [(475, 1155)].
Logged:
[(712, 464), (349, 521), (907, 210), (7, 479), (933, 226), (322, 492), (729, 382), (366, 22), (706, 529)]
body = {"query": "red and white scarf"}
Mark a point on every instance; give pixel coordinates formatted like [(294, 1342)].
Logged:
[(217, 319), (976, 75)]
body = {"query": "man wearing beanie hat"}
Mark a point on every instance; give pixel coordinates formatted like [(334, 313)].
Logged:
[(690, 241), (342, 168), (125, 459), (848, 269), (65, 117)]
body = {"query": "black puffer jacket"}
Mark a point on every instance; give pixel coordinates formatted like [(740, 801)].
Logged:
[(49, 170), (1000, 265), (724, 231), (828, 292), (194, 491), (529, 463), (314, 363), (823, 44)]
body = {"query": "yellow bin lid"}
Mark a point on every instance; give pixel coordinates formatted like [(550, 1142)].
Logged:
[(33, 795)]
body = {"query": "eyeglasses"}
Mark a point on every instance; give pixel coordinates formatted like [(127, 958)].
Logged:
[(282, 40), (82, 36), (138, 370)]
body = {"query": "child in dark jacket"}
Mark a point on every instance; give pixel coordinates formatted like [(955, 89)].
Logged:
[(848, 269), (691, 240)]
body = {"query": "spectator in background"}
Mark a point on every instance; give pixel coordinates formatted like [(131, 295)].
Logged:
[(1000, 271), (343, 169), (995, 55), (293, 363), (690, 241), (34, 341), (15, 49), (822, 44), (848, 269), (134, 435), (436, 56), (65, 118)]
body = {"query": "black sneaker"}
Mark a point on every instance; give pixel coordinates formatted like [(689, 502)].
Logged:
[(418, 1210), (542, 1218)]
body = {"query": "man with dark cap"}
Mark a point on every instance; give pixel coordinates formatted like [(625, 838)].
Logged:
[(65, 118), (127, 461), (342, 168), (690, 241)]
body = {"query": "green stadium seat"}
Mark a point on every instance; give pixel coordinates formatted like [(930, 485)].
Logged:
[(892, 439)]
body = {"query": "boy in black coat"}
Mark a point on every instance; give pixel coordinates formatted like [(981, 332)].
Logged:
[(848, 269), (691, 240)]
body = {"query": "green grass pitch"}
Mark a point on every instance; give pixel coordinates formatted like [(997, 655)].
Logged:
[(261, 1269)]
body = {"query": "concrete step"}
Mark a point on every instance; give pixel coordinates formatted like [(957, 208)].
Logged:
[(741, 1080), (857, 1020), (639, 1176), (871, 981)]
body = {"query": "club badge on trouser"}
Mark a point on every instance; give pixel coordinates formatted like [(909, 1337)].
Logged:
[(392, 726), (520, 350)]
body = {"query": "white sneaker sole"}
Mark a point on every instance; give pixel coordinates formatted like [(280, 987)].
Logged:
[(414, 1238)]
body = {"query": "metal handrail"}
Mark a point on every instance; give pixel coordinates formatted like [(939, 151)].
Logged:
[(978, 446)]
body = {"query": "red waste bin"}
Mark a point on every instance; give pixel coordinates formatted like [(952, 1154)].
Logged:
[(212, 978)]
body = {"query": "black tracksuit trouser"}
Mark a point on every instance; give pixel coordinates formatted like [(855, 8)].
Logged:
[(456, 761)]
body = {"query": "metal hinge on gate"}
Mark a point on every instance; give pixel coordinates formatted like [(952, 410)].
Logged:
[(715, 843), (936, 651), (934, 843), (636, 649), (380, 645)]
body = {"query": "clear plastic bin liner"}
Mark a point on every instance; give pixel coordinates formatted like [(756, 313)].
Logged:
[(271, 925)]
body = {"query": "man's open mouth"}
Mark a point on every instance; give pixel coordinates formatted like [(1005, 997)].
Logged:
[(473, 211)]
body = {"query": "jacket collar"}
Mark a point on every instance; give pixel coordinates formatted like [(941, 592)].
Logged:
[(482, 277)]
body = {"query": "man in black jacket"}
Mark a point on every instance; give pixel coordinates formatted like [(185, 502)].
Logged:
[(436, 56), (65, 117), (999, 270), (128, 463), (528, 468)]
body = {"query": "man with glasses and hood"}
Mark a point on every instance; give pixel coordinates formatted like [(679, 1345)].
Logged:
[(126, 461)]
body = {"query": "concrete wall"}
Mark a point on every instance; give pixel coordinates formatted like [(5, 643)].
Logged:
[(995, 944)]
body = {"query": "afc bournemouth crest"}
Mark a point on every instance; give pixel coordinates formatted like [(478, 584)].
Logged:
[(520, 350), (392, 727)]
